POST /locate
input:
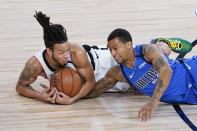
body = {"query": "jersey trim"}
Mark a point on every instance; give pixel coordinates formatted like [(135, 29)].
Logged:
[(42, 67)]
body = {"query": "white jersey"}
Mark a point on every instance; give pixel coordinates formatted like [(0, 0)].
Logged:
[(99, 57)]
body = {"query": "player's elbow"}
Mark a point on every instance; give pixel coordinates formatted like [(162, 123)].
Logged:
[(92, 84), (168, 71), (91, 90), (19, 89)]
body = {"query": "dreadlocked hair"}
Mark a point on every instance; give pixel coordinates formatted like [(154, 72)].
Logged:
[(53, 33)]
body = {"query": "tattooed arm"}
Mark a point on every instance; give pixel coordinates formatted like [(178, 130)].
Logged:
[(111, 78), (28, 75), (160, 63)]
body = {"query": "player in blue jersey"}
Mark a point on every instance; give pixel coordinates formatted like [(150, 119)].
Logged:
[(148, 69)]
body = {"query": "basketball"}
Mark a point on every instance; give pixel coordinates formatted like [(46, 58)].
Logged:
[(66, 80)]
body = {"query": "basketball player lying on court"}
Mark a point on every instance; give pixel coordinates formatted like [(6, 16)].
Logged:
[(148, 69), (58, 54), (90, 62)]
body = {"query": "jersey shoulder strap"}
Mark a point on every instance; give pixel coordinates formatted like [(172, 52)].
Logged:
[(139, 51)]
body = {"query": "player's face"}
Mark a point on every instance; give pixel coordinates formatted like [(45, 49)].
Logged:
[(119, 50), (61, 53)]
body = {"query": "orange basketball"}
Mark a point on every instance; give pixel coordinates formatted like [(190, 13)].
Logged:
[(66, 80)]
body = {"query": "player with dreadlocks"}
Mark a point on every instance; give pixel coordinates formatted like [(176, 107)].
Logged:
[(90, 62), (57, 54)]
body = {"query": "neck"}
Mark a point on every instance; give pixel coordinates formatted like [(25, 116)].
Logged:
[(51, 62), (131, 59)]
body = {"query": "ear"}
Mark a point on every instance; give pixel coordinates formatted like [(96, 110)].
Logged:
[(129, 44), (49, 51)]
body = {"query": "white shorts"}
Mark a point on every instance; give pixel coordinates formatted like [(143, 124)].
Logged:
[(103, 61)]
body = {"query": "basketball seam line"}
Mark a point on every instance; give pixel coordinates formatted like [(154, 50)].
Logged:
[(72, 82), (61, 82)]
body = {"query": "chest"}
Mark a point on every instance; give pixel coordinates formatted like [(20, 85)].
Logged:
[(142, 74)]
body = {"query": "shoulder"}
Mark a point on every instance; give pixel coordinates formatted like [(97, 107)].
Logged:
[(150, 51), (147, 48), (33, 62), (33, 66), (79, 55), (76, 49)]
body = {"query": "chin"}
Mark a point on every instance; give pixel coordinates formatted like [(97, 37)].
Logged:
[(62, 65), (119, 62)]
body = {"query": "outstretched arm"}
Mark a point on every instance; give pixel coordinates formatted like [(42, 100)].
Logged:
[(162, 66), (101, 86), (111, 78), (28, 75)]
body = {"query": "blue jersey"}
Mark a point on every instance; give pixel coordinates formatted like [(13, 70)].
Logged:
[(144, 77)]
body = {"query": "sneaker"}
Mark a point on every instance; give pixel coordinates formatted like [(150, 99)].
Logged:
[(177, 45)]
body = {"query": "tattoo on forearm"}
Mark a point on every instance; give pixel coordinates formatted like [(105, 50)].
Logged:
[(158, 90), (156, 94), (160, 83), (101, 86)]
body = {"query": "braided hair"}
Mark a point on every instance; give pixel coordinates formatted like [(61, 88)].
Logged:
[(53, 33)]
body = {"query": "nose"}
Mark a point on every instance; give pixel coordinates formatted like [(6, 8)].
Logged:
[(112, 53), (66, 55)]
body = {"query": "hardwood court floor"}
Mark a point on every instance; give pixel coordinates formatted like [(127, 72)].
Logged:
[(87, 22)]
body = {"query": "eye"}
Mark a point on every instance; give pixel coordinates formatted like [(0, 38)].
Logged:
[(115, 48), (62, 52)]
